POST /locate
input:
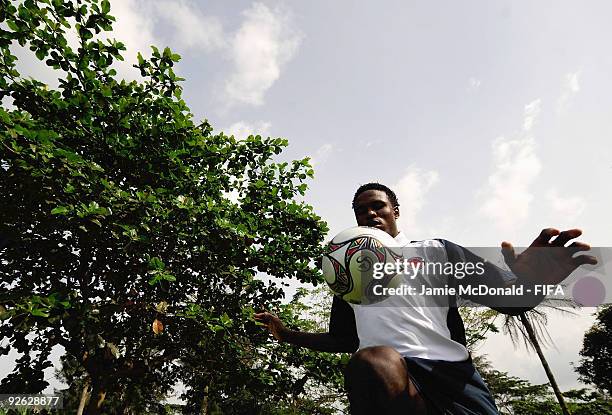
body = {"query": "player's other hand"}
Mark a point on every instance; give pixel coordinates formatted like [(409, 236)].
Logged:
[(273, 324), (549, 259)]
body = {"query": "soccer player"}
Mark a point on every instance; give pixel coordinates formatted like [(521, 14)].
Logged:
[(413, 360)]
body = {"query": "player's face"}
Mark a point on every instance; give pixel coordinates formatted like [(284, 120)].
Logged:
[(373, 208)]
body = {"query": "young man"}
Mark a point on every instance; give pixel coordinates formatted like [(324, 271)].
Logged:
[(413, 359)]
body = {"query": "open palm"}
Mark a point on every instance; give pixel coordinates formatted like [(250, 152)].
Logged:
[(548, 260)]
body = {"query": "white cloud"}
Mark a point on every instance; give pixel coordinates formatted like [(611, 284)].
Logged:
[(572, 81), (474, 83), (532, 110), (411, 190), (507, 195), (134, 28), (137, 20), (565, 209), (570, 87), (263, 44), (241, 129), (192, 29), (322, 154)]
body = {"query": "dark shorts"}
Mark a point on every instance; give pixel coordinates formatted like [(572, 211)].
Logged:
[(451, 387)]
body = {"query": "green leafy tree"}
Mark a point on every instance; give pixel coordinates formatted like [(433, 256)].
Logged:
[(511, 391), (595, 367), (312, 381), (478, 323), (528, 328), (132, 236), (321, 377), (585, 402), (130, 398), (516, 396)]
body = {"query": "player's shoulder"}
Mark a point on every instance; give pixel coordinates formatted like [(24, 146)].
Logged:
[(428, 243)]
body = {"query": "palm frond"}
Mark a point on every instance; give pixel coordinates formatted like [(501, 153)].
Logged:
[(538, 318)]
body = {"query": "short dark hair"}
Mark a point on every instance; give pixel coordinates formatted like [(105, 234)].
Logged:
[(376, 186)]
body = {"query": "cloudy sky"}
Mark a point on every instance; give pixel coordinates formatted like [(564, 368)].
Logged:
[(491, 119)]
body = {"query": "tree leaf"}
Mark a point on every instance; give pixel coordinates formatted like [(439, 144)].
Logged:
[(60, 210)]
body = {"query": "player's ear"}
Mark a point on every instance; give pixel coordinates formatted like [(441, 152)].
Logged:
[(396, 211)]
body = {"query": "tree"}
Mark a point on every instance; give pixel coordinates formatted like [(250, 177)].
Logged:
[(322, 379), (530, 327), (511, 391), (478, 322), (122, 240), (311, 381), (595, 367), (504, 388), (516, 396)]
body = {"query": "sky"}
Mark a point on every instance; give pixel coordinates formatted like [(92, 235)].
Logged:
[(490, 119)]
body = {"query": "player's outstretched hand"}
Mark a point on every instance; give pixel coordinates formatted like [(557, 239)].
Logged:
[(548, 260), (273, 324)]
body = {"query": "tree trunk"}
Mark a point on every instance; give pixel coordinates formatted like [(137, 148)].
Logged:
[(553, 383), (204, 406), (84, 397), (98, 393)]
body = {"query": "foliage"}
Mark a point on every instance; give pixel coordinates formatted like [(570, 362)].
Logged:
[(130, 398), (312, 381), (119, 210), (478, 322), (322, 380), (538, 320), (530, 327), (595, 367), (518, 396)]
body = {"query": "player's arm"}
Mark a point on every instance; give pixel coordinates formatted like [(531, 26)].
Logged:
[(493, 277), (548, 260), (341, 338)]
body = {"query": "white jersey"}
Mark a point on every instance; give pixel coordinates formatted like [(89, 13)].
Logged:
[(410, 325)]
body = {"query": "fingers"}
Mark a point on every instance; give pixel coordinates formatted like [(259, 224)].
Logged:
[(260, 316), (263, 316), (562, 238), (578, 247), (585, 259), (272, 323), (544, 238), (565, 236), (267, 319), (508, 253)]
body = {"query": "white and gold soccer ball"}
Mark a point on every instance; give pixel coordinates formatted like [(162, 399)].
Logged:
[(354, 264)]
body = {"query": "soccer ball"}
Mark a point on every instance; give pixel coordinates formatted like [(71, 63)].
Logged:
[(353, 265)]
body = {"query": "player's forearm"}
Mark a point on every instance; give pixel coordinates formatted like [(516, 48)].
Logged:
[(323, 342)]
